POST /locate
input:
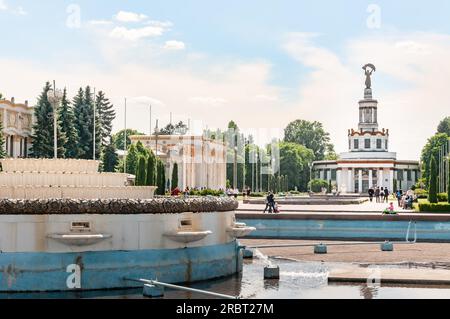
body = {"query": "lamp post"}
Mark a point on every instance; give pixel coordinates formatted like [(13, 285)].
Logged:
[(310, 176), (54, 97)]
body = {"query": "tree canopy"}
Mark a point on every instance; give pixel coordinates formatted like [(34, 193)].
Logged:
[(444, 126)]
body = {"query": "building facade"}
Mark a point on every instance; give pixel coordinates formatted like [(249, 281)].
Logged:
[(201, 161), (17, 122), (368, 162)]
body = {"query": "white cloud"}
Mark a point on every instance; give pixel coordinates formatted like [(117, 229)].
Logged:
[(3, 5), (269, 98), (162, 24), (134, 34), (20, 11), (126, 16), (145, 100), (174, 45), (207, 100), (100, 22)]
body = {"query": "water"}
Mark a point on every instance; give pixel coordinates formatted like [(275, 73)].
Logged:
[(298, 280)]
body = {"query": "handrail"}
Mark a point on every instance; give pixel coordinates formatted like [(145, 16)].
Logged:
[(163, 284)]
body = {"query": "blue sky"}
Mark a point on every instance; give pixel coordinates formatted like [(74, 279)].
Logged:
[(261, 63)]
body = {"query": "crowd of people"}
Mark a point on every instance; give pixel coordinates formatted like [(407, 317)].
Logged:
[(381, 194), (405, 199)]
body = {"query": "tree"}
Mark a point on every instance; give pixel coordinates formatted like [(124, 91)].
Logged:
[(2, 140), (161, 177), (132, 158), (141, 171), (310, 134), (82, 126), (151, 170), (106, 115), (444, 126), (174, 182), (67, 120), (110, 158), (316, 185), (432, 192), (431, 149), (294, 163), (178, 129), (119, 137), (43, 146)]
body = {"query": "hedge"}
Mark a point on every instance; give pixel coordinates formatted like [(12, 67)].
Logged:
[(434, 207), (442, 197)]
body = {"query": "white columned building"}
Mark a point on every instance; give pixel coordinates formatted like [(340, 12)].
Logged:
[(368, 161), (17, 122)]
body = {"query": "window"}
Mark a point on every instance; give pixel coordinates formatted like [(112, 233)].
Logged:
[(409, 175), (367, 143), (379, 143), (333, 174), (356, 144), (400, 174)]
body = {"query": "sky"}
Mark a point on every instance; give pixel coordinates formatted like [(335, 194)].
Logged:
[(260, 63)]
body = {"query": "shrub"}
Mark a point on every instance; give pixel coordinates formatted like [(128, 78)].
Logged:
[(434, 207), (421, 193), (206, 192), (442, 197), (316, 185), (257, 194)]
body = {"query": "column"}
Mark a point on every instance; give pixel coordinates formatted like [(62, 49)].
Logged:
[(413, 176), (338, 180), (349, 180), (391, 180), (405, 178), (380, 178), (360, 180), (370, 178), (321, 174)]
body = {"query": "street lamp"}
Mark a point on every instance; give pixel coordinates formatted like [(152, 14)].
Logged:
[(54, 97), (310, 176)]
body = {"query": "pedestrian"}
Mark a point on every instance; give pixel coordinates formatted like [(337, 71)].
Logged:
[(377, 194), (371, 193), (399, 196), (270, 202), (386, 195)]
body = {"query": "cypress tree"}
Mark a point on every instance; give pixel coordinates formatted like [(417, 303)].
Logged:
[(106, 115), (2, 140), (110, 159), (140, 171), (67, 122), (43, 128), (161, 178), (174, 181), (432, 192), (132, 159), (151, 170)]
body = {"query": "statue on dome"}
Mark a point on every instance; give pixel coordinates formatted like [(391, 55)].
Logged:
[(368, 70)]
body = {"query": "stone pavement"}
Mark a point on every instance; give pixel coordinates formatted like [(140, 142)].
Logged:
[(434, 254), (363, 208)]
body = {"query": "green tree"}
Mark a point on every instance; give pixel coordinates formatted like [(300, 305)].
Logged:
[(83, 117), (67, 120), (151, 170), (294, 163), (110, 159), (174, 182), (431, 149), (432, 192), (178, 129), (316, 185), (444, 126), (132, 158), (118, 138), (161, 178), (43, 129), (141, 171), (106, 115), (310, 134)]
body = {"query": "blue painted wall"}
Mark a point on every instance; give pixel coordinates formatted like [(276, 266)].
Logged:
[(106, 269)]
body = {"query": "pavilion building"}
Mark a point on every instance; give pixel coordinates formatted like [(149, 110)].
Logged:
[(368, 162), (17, 123)]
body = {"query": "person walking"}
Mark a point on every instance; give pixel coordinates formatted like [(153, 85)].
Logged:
[(399, 196), (270, 202), (377, 194), (371, 193), (386, 195)]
